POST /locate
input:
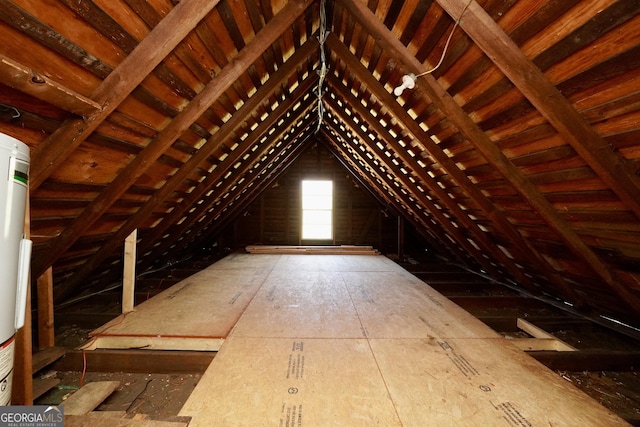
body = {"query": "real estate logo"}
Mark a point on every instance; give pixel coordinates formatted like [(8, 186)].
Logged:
[(31, 416)]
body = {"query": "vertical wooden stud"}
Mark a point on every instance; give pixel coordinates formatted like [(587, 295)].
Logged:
[(129, 275), (46, 331), (400, 238)]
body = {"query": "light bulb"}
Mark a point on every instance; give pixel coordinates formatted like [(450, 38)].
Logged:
[(408, 82)]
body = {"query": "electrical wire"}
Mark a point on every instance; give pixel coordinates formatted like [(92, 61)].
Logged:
[(322, 72), (446, 45)]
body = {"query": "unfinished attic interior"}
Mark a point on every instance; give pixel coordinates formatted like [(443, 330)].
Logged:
[(481, 264)]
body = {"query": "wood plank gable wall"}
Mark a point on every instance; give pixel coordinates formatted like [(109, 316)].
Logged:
[(517, 156)]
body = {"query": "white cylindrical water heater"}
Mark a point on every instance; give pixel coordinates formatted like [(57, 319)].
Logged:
[(15, 252)]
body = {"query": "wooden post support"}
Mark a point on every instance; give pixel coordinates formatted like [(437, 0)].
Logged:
[(22, 387), (46, 331), (400, 238), (129, 276)]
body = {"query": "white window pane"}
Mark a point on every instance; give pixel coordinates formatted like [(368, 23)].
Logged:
[(317, 187), (317, 203), (316, 217)]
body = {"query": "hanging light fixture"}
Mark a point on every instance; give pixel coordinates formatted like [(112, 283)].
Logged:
[(409, 80)]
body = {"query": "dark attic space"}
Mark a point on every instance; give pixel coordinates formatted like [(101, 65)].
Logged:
[(321, 212)]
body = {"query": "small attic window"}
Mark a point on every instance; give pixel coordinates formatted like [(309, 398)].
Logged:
[(317, 210)]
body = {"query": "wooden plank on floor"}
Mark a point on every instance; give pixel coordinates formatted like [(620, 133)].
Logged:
[(312, 250), (288, 382), (43, 385), (141, 361), (98, 420), (88, 397), (480, 382), (156, 342), (43, 358), (421, 361)]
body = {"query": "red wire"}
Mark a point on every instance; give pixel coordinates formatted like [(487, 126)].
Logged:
[(84, 367)]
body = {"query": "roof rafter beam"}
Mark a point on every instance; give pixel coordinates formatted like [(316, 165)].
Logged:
[(491, 152), (190, 165), (279, 166), (350, 165), (481, 237), (289, 151), (498, 218), (117, 86), (195, 226), (143, 161), (429, 206), (445, 226), (236, 155), (547, 99)]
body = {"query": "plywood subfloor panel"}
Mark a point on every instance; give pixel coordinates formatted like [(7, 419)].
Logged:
[(195, 314), (461, 382), (395, 304), (305, 304), (356, 340), (287, 382)]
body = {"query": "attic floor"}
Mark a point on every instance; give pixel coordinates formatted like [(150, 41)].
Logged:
[(161, 395)]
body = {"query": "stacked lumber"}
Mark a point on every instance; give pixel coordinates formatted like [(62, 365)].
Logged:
[(312, 250)]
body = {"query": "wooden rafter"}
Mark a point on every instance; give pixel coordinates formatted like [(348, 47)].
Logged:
[(179, 177), (548, 100), (384, 199), (357, 166), (282, 160), (496, 158), (195, 227), (117, 86), (525, 248), (446, 223), (481, 237), (143, 161), (445, 228)]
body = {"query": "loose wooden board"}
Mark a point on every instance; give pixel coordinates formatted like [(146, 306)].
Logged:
[(96, 419), (289, 382), (89, 397)]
